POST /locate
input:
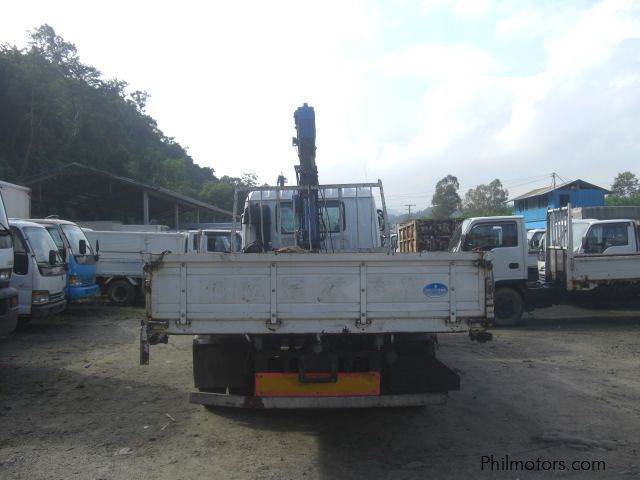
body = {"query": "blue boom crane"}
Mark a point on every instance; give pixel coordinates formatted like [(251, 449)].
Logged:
[(306, 200)]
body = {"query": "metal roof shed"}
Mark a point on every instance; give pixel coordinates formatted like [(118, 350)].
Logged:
[(82, 193)]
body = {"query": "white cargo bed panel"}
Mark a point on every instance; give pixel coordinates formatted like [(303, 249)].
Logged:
[(594, 268), (315, 293)]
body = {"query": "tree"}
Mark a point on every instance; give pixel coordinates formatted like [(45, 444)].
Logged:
[(220, 193), (486, 200), (446, 200), (625, 185)]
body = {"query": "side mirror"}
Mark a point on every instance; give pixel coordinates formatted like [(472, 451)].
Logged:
[(82, 246), (53, 256), (97, 246), (535, 243), (63, 253), (585, 245)]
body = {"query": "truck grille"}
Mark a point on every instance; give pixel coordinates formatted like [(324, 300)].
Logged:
[(54, 297)]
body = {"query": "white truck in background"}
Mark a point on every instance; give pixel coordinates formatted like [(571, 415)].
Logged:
[(316, 311), (584, 260), (8, 294), (39, 273), (212, 240), (119, 271), (17, 200)]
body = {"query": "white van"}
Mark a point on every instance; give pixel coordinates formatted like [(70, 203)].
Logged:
[(38, 270)]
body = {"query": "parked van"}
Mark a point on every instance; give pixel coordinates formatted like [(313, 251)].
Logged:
[(38, 270), (77, 253)]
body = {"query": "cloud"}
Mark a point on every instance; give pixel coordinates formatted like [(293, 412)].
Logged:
[(574, 112)]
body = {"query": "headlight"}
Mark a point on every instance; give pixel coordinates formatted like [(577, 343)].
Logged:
[(5, 275), (74, 281), (39, 296)]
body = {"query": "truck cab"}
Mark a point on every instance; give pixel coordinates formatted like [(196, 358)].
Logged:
[(605, 237), (38, 270), (348, 218), (8, 294), (211, 240), (513, 264), (76, 251)]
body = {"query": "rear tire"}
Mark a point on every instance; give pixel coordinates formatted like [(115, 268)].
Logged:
[(508, 307), (121, 292)]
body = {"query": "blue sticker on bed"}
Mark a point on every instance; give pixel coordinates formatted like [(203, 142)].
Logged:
[(434, 290)]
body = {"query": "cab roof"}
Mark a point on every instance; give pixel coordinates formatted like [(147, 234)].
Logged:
[(52, 221), (18, 222)]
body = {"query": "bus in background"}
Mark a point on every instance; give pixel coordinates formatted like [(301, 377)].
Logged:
[(78, 255)]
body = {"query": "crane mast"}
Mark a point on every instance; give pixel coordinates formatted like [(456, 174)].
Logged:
[(306, 200)]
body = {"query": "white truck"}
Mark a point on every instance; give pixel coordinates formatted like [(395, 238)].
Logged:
[(17, 200), (39, 273), (119, 271), (346, 326), (591, 259), (212, 240), (316, 311), (8, 294)]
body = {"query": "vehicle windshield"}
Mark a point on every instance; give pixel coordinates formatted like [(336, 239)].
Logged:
[(74, 234), (579, 229), (220, 242), (41, 244)]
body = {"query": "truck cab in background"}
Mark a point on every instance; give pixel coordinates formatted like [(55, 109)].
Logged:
[(8, 294), (577, 260), (77, 253), (212, 240), (38, 270), (506, 237)]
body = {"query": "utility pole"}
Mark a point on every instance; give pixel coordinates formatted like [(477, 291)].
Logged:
[(553, 176), (409, 205)]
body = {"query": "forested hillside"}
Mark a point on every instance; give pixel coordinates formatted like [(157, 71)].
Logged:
[(55, 110)]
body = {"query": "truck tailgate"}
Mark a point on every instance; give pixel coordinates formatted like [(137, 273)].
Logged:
[(317, 293), (593, 268)]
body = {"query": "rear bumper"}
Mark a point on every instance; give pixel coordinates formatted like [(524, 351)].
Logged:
[(241, 401), (8, 310), (76, 293), (38, 311)]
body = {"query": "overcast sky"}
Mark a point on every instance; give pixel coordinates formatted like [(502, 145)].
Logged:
[(404, 91)]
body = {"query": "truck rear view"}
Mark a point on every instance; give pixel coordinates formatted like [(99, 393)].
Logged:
[(316, 311)]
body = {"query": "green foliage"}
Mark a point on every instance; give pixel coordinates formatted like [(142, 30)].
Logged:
[(617, 201), (486, 200), (625, 185), (220, 193), (446, 200), (57, 110)]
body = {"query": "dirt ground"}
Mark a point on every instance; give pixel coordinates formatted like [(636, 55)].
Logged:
[(74, 403)]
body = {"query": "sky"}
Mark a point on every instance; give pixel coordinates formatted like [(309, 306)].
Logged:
[(404, 91)]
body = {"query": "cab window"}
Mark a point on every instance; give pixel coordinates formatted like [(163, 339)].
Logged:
[(485, 237), (600, 237)]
